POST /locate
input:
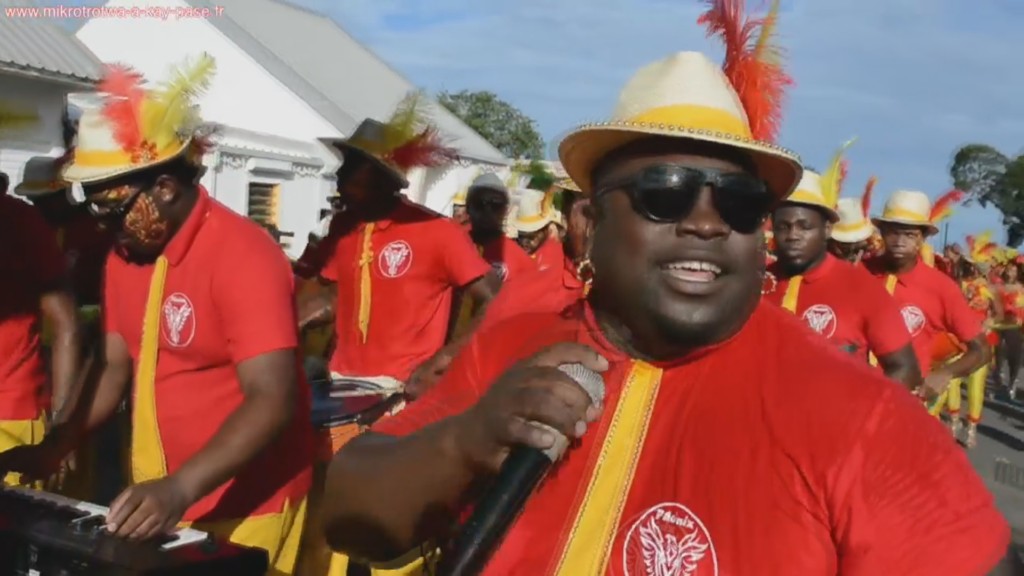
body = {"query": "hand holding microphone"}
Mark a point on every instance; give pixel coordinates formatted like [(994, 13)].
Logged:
[(520, 428)]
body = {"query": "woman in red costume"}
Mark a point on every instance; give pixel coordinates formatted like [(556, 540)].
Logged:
[(1011, 293)]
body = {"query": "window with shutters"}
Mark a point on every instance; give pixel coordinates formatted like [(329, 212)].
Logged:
[(263, 199)]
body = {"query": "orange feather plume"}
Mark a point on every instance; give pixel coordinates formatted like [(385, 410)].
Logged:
[(753, 65), (123, 86), (943, 207), (865, 199)]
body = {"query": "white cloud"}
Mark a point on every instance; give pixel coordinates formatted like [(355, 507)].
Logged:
[(913, 79)]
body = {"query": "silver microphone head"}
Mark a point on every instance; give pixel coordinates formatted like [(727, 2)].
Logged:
[(591, 382)]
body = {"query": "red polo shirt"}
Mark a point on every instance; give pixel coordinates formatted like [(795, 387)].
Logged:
[(931, 303), (85, 247), (418, 258), (548, 290), (507, 258), (550, 254), (846, 306), (228, 298), (31, 265), (747, 464)]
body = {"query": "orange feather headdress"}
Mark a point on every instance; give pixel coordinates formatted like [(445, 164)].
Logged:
[(753, 62), (865, 199), (943, 207)]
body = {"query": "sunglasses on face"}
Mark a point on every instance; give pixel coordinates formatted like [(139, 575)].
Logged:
[(668, 193), (115, 203)]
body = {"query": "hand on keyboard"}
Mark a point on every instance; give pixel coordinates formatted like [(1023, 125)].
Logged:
[(149, 509), (34, 462)]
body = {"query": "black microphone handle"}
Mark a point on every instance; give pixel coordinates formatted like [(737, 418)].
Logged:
[(495, 512)]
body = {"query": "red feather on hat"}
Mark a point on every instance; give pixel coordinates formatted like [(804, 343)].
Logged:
[(123, 105), (426, 149), (865, 200), (753, 66), (943, 207)]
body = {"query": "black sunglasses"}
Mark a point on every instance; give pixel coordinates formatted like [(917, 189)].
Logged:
[(668, 193), (117, 211)]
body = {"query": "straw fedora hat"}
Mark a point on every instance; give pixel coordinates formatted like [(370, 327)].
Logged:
[(809, 193), (853, 225), (40, 177), (910, 208), (459, 199), (532, 214), (125, 135), (683, 96), (370, 141)]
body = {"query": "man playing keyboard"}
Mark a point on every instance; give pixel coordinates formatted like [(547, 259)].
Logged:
[(198, 301)]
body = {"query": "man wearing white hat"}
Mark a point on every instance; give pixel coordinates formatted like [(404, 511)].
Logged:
[(850, 239), (834, 298), (930, 302), (705, 388), (536, 227), (459, 213)]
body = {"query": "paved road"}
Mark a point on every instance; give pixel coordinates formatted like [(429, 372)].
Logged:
[(999, 459)]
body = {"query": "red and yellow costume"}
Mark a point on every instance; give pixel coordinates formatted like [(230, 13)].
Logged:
[(190, 317)]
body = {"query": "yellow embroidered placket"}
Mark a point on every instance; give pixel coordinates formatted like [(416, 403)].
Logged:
[(148, 461), (597, 521), (789, 300), (365, 286)]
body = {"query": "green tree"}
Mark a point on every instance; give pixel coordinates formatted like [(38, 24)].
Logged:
[(500, 123), (993, 179)]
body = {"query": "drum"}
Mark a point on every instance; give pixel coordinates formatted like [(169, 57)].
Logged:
[(944, 347)]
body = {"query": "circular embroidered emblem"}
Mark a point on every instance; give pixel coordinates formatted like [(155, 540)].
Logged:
[(914, 318), (179, 320), (395, 259), (669, 540), (822, 319)]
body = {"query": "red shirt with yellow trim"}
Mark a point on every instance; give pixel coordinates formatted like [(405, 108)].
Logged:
[(549, 290), (931, 303), (31, 264), (735, 460), (418, 259), (848, 307), (228, 298)]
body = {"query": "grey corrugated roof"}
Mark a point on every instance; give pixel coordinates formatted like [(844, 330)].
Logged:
[(40, 45), (336, 75)]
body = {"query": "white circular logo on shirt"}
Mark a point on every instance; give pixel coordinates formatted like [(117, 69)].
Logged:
[(669, 540), (395, 259), (822, 319), (500, 269), (913, 318), (179, 325)]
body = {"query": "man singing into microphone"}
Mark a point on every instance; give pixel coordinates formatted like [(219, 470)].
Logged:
[(707, 388)]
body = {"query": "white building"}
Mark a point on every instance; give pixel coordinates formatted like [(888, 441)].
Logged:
[(286, 76), (40, 63)]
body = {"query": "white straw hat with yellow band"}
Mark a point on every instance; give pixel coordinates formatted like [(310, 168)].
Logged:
[(532, 213), (460, 198), (855, 217), (689, 97), (822, 191), (914, 208), (41, 176), (137, 128)]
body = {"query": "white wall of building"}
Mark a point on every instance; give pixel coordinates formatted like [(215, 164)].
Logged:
[(43, 137)]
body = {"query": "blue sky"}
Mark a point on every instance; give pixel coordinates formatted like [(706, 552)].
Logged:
[(913, 79)]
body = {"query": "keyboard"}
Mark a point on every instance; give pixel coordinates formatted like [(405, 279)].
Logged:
[(43, 534)]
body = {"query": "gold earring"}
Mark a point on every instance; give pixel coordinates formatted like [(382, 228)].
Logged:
[(767, 277)]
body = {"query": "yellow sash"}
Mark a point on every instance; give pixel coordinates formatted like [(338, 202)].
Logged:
[(365, 286), (596, 524), (148, 461), (890, 287), (789, 300)]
